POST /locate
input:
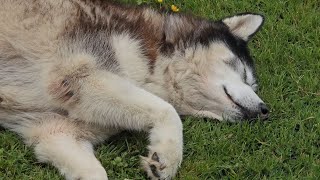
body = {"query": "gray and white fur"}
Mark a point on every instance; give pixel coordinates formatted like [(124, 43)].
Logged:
[(75, 72)]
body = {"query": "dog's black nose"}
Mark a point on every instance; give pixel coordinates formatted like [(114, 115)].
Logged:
[(264, 111)]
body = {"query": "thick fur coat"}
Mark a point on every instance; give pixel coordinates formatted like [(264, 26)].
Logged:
[(75, 72)]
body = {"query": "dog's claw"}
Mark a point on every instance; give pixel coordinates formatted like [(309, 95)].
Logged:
[(162, 167), (155, 157), (154, 167)]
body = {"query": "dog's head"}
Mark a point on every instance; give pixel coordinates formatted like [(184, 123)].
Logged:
[(219, 80)]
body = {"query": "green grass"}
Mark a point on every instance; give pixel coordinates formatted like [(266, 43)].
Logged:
[(287, 146)]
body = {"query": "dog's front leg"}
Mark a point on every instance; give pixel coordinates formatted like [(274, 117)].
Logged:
[(109, 100)]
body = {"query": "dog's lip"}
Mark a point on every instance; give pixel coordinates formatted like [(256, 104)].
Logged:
[(240, 108), (251, 117), (245, 113), (264, 117), (231, 99), (234, 115)]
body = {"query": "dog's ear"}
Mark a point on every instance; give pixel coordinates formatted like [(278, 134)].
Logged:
[(244, 25)]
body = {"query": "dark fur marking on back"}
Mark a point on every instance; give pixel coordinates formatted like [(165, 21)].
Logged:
[(167, 49), (172, 32), (121, 19)]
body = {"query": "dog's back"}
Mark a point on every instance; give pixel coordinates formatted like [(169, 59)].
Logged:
[(38, 36)]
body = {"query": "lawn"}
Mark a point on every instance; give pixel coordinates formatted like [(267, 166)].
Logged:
[(287, 146)]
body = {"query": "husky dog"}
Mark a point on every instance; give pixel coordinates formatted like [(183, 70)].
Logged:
[(75, 72)]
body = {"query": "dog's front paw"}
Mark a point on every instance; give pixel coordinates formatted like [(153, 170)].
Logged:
[(161, 167)]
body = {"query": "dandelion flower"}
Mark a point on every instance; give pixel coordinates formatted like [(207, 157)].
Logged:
[(160, 1), (174, 8)]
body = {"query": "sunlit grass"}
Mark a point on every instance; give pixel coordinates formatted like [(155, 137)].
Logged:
[(287, 146)]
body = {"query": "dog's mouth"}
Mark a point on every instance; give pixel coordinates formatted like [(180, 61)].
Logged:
[(232, 100), (247, 114)]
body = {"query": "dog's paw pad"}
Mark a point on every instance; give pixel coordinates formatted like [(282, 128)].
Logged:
[(153, 166)]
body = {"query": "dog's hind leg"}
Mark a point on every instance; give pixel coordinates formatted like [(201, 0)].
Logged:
[(64, 143)]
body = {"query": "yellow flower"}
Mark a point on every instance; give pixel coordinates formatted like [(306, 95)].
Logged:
[(174, 8), (160, 1)]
